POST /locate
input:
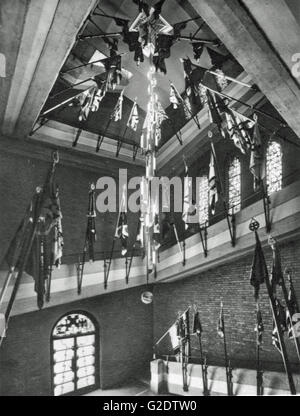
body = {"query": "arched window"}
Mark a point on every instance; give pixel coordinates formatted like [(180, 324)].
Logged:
[(234, 185), (274, 167), (203, 199), (74, 345)]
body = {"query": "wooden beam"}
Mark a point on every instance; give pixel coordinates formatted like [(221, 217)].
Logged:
[(68, 19), (12, 16), (271, 15), (37, 25), (237, 29)]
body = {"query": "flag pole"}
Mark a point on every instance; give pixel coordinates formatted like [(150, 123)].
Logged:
[(259, 371), (166, 333), (254, 225), (203, 366), (227, 361), (23, 263)]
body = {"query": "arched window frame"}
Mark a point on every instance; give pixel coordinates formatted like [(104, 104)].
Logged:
[(96, 333), (234, 183), (274, 166)]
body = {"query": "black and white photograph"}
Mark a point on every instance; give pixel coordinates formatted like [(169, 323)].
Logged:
[(149, 201)]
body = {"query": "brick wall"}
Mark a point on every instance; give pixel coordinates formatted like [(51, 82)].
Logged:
[(229, 283), (19, 178), (125, 343)]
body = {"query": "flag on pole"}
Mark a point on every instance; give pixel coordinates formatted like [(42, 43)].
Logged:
[(281, 315), (259, 328), (175, 98), (259, 271), (220, 325), (187, 195), (122, 227), (91, 225), (276, 275), (239, 128), (175, 340), (257, 165), (213, 184), (213, 111), (58, 239), (275, 338), (133, 119), (197, 327), (140, 233), (117, 113), (292, 314)]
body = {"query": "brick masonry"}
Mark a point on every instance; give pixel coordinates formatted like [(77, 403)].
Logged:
[(229, 283), (125, 331)]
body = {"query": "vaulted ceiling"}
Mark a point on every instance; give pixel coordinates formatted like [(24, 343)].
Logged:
[(46, 44)]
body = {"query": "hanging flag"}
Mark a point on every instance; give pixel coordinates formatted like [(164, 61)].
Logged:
[(190, 88), (281, 316), (117, 113), (276, 275), (292, 314), (122, 227), (157, 8), (197, 327), (187, 196), (239, 129), (259, 271), (213, 184), (198, 48), (220, 325), (175, 98), (275, 338), (257, 165), (91, 225), (216, 58), (133, 119), (175, 340), (58, 240), (214, 114), (259, 328), (163, 43), (113, 69)]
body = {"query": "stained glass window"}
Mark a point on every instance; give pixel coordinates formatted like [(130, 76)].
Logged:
[(274, 167), (203, 199), (73, 354), (234, 185)]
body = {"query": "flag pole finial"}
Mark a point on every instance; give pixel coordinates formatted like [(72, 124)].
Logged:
[(254, 224)]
